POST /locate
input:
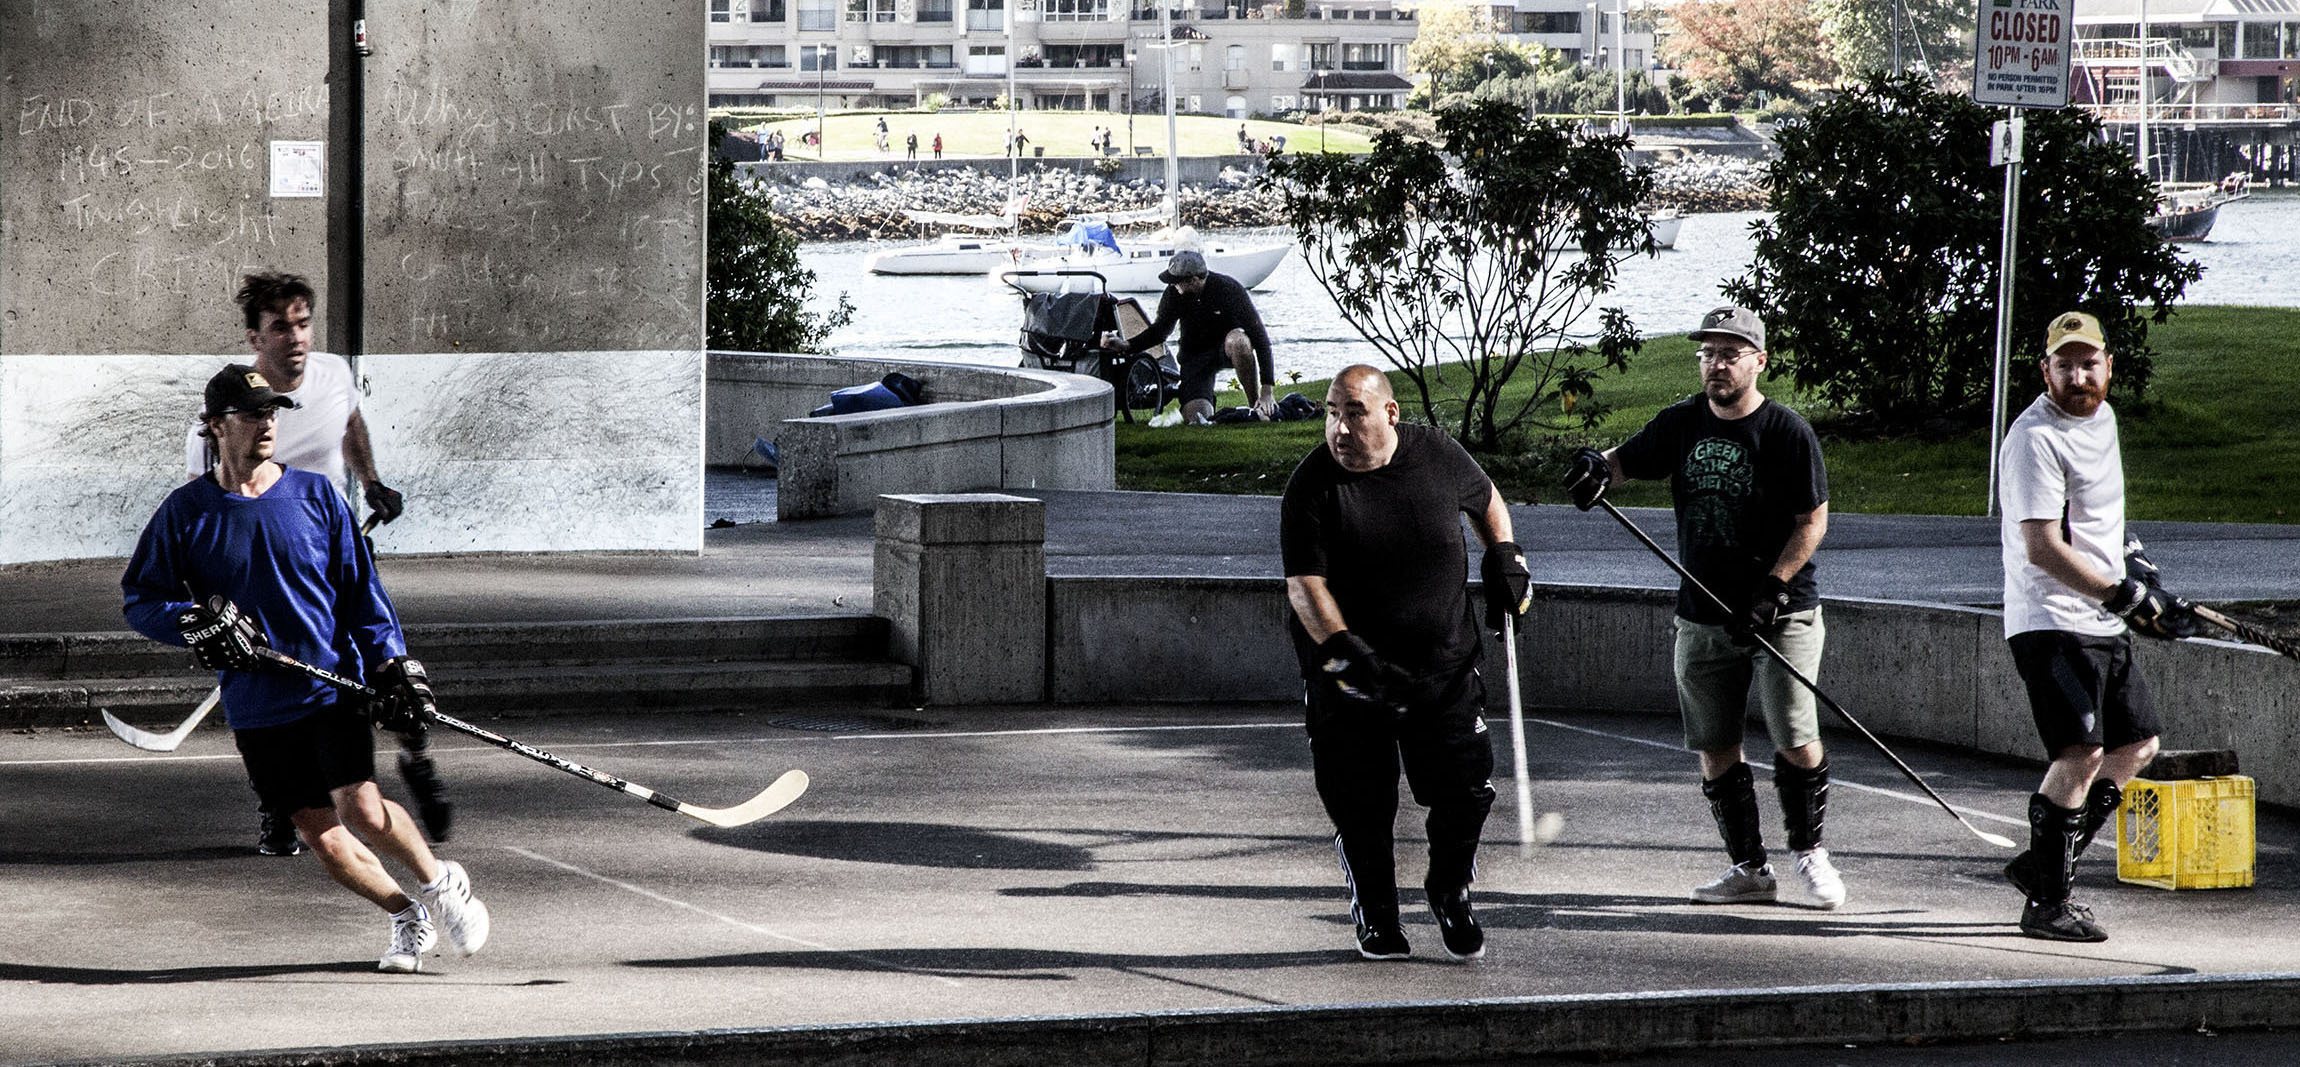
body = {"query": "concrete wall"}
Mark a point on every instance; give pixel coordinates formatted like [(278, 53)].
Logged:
[(982, 428), (516, 260), (1925, 671)]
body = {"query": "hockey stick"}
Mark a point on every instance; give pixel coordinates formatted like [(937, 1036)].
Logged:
[(1998, 840), (1530, 831), (770, 800), (2249, 633), (166, 742)]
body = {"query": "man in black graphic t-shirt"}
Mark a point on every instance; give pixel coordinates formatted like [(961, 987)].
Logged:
[(1752, 504), (1370, 529)]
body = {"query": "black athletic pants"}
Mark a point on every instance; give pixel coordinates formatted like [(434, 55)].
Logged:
[(1356, 749)]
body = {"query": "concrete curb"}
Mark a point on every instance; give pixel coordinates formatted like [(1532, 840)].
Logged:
[(1425, 1032)]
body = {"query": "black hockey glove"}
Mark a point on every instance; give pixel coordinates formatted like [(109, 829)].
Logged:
[(1586, 477), (222, 639), (2153, 611), (1508, 588), (1767, 604), (1358, 673), (385, 501), (403, 702)]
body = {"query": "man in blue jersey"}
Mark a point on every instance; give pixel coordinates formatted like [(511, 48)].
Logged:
[(260, 554)]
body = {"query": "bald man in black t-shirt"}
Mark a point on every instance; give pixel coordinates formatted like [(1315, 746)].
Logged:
[(1376, 573)]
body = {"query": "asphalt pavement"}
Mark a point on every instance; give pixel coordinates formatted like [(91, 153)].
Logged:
[(990, 863)]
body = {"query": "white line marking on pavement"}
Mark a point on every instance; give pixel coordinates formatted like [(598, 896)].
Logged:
[(728, 919), (1913, 798), (1069, 730)]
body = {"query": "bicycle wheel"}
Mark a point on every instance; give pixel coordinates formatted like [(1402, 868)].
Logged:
[(1144, 390)]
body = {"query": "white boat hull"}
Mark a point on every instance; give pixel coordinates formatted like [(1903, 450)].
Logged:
[(1136, 269), (1665, 229), (960, 255)]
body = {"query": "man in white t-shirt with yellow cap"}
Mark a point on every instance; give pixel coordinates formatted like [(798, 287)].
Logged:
[(2073, 600)]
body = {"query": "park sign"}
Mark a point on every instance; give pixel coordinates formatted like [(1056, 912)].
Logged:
[(2020, 52)]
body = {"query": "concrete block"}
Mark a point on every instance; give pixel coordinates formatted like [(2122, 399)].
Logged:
[(1886, 662), (1127, 639), (1594, 647), (961, 581)]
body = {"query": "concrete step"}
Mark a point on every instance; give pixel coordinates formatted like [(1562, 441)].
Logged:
[(156, 702), (64, 656)]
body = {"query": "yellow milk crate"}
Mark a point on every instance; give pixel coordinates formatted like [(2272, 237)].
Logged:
[(2194, 833)]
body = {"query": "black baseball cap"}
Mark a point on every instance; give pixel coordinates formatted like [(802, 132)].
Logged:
[(238, 387)]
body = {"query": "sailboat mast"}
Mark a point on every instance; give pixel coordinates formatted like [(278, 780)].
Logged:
[(1620, 79), (1013, 150), (1166, 64), (2147, 165)]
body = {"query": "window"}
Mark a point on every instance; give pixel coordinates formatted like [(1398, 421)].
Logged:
[(934, 10), (818, 15), (768, 11), (723, 56), (986, 14), (1234, 107), (818, 57), (1074, 10), (1549, 22), (769, 55), (870, 10), (1195, 106), (1321, 57), (1234, 57), (1365, 57), (720, 10), (1281, 103), (1281, 54)]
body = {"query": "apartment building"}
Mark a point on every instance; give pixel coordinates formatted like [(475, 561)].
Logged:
[(2227, 61), (1230, 57), (1582, 30)]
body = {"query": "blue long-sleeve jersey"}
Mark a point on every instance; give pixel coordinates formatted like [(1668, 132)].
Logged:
[(293, 562)]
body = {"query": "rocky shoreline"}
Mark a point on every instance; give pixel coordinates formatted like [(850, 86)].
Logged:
[(822, 211)]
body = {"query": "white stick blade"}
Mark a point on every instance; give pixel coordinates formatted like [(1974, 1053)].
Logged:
[(146, 741), (1999, 840), (770, 800)]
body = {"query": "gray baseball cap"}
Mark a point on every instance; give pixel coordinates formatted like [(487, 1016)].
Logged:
[(1738, 323), (1185, 264)]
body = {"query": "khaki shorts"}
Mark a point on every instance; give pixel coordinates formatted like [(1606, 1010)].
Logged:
[(1714, 684)]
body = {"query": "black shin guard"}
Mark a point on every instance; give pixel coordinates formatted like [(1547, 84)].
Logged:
[(432, 806), (1733, 803), (1804, 801), (2099, 807), (2052, 832)]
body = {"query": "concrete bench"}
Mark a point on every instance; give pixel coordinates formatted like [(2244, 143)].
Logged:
[(981, 428)]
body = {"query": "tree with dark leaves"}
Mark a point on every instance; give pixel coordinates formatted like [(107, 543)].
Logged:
[(1470, 260), (1878, 270), (755, 291)]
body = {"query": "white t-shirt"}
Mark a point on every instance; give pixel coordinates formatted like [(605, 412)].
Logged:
[(2059, 467), (308, 437)]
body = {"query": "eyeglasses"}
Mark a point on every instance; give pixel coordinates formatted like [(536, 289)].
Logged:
[(1715, 356)]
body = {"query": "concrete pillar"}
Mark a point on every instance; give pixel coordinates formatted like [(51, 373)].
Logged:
[(961, 580)]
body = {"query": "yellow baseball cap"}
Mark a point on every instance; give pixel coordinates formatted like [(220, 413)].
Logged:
[(2075, 327)]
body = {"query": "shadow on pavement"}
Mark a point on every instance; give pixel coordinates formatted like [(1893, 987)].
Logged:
[(18, 972)]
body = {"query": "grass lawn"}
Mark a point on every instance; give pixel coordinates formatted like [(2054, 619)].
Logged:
[(2220, 441), (1061, 133)]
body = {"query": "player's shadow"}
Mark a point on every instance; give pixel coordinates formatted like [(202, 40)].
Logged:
[(919, 844), (1002, 963), (88, 859), (52, 975)]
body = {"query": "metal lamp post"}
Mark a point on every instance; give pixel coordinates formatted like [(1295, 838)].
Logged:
[(1131, 57), (822, 131)]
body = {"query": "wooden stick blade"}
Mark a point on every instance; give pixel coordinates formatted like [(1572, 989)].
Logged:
[(770, 800)]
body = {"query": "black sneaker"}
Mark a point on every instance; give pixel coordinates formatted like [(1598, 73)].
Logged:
[(2021, 872), (1383, 943), (1457, 927), (2064, 920), (276, 837)]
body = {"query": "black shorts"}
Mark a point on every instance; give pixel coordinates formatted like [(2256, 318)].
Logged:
[(296, 765), (2083, 690), (1199, 369)]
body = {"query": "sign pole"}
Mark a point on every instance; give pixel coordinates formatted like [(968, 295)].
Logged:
[(2005, 143)]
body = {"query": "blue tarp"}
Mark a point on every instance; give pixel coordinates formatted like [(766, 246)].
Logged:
[(1090, 232)]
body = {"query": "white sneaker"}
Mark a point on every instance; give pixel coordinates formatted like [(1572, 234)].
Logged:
[(412, 935), (1816, 884), (1740, 884), (460, 913)]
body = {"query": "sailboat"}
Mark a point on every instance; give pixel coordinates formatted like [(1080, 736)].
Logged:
[(2185, 211), (1133, 266), (1666, 223)]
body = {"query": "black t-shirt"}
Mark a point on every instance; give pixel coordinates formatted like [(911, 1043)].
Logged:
[(1737, 486), (1389, 544), (1207, 317)]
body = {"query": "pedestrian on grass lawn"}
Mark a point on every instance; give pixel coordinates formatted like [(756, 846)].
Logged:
[(1376, 576), (257, 556), (325, 433), (1752, 504), (1221, 330), (2075, 591)]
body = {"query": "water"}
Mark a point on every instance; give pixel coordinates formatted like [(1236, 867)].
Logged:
[(2253, 258)]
